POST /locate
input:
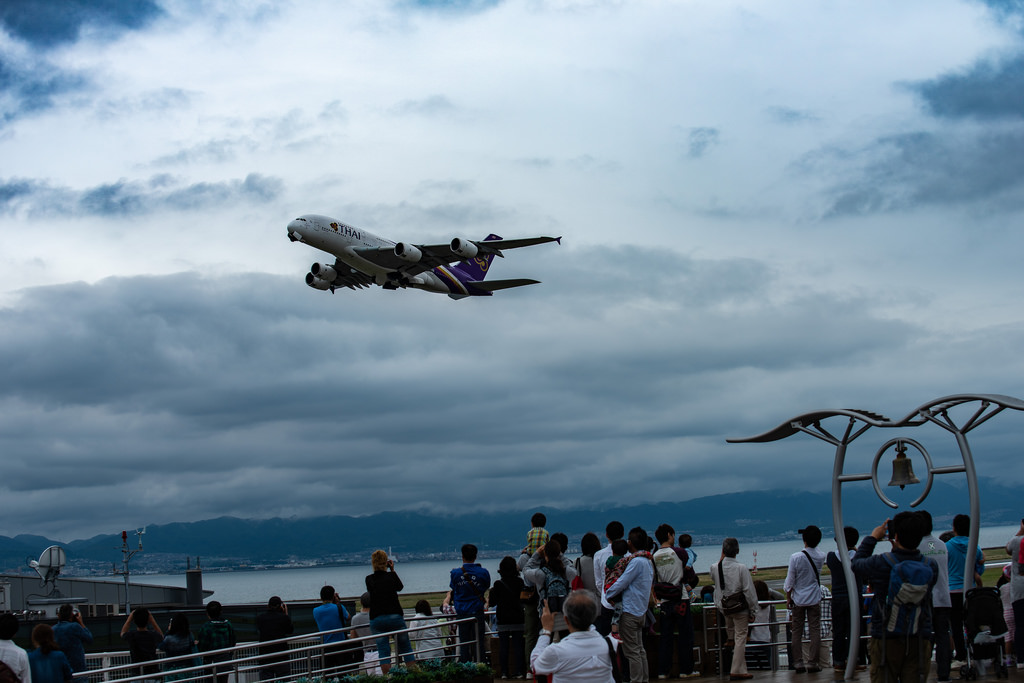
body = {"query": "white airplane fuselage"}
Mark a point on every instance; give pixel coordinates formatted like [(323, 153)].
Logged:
[(339, 239)]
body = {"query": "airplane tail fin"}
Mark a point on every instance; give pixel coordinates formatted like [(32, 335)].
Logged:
[(477, 267)]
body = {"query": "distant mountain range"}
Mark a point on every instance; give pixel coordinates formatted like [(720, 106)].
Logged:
[(233, 542)]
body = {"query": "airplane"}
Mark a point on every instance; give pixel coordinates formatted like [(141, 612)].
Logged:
[(362, 259)]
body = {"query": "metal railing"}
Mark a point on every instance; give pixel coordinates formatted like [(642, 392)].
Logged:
[(304, 655), (779, 623)]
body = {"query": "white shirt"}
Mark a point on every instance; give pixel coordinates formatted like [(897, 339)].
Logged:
[(16, 658), (581, 656), (670, 567), (802, 580), (600, 560), (936, 549)]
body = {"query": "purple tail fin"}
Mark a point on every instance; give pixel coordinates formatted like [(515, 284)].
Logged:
[(476, 268)]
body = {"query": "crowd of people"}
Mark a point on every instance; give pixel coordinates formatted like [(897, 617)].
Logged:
[(590, 619)]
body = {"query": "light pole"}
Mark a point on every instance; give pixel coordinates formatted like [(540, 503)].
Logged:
[(126, 555), (858, 422)]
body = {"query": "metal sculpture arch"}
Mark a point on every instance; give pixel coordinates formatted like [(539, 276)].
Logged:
[(860, 421)]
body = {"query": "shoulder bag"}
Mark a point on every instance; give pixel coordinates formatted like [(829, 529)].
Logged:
[(734, 603)]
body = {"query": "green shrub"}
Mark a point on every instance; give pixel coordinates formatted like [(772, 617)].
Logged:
[(429, 671)]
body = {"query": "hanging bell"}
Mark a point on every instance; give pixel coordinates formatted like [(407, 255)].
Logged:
[(902, 472)]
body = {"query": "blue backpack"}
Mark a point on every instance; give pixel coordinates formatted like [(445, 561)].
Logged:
[(555, 585), (910, 585)]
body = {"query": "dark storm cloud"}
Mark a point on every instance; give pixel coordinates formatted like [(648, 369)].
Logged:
[(28, 79), (989, 90), (251, 383), (130, 198), (899, 172), (50, 23), (31, 85), (1006, 10)]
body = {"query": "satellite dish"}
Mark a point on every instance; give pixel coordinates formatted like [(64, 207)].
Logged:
[(50, 563)]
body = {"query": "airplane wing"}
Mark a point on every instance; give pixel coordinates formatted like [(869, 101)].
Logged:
[(348, 277), (495, 246), (422, 257), (385, 257)]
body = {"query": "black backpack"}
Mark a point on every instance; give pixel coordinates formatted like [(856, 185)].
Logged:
[(7, 674)]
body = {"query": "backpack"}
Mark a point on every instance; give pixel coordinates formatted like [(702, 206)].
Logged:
[(555, 585), (909, 588), (7, 674)]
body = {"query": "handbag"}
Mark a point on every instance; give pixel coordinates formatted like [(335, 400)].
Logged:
[(733, 603)]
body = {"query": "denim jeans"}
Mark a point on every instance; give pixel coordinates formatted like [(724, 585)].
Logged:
[(471, 633), (387, 623)]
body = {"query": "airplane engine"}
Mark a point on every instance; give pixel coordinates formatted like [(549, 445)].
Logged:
[(316, 283), (323, 272), (464, 248), (408, 252)]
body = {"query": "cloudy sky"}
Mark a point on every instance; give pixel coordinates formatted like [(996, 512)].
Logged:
[(768, 208)]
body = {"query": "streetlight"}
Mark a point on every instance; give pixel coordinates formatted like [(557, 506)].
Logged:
[(859, 421)]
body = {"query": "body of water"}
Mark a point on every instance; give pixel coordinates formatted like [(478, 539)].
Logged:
[(304, 583)]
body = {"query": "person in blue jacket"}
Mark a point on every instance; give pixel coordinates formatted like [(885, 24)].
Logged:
[(903, 659), (469, 583), (956, 550)]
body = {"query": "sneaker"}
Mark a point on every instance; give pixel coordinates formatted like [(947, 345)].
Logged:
[(662, 677), (692, 674), (813, 669), (1020, 665)]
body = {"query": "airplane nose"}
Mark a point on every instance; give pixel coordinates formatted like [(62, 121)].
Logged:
[(294, 231)]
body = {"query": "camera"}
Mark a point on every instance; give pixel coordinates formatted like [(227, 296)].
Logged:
[(889, 529), (555, 603)]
